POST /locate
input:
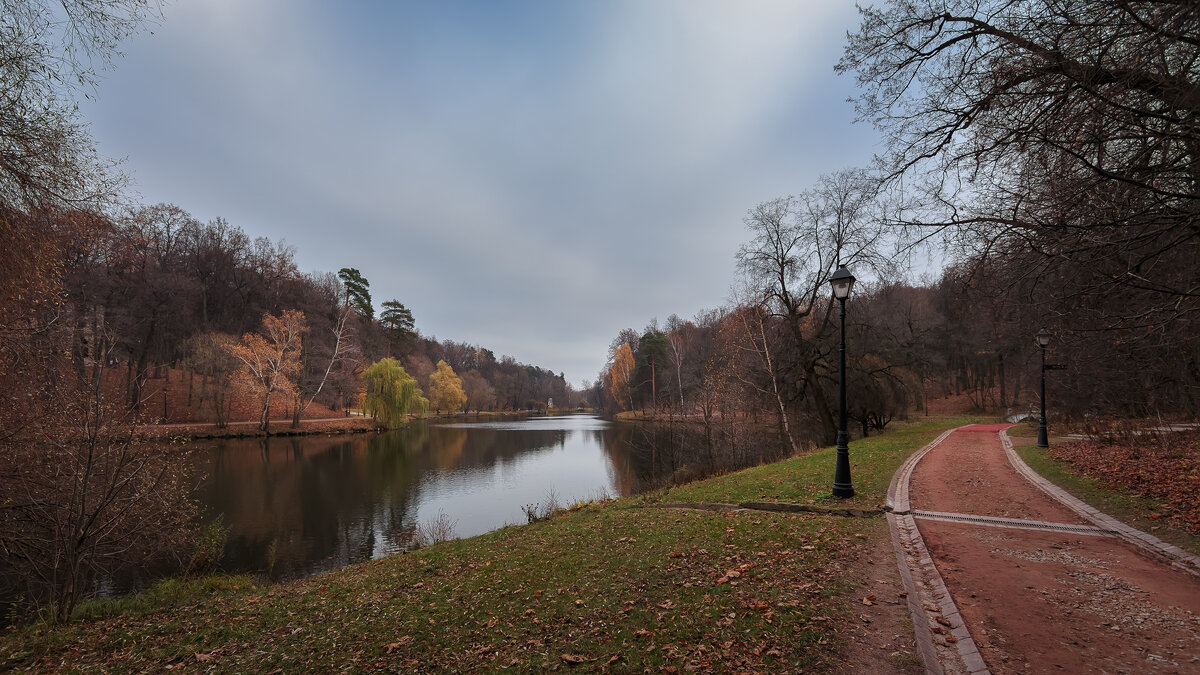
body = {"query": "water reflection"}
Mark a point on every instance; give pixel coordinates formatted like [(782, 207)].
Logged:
[(296, 506)]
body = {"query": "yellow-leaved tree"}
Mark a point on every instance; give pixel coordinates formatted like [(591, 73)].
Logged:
[(445, 389), (391, 393), (620, 373)]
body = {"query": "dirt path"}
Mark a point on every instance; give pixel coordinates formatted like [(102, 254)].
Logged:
[(1040, 589)]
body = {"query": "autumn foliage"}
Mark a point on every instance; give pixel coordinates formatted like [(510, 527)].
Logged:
[(620, 375), (1165, 468), (446, 389), (391, 393), (270, 360)]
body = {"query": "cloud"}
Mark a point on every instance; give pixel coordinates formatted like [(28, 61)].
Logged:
[(529, 177)]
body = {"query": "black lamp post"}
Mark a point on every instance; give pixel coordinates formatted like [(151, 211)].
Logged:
[(1043, 339), (842, 282)]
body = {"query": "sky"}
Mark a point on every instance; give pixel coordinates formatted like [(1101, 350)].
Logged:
[(530, 177)]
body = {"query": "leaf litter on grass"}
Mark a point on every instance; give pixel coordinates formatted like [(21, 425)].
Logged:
[(563, 593)]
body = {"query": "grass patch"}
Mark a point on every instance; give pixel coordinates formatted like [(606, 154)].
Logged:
[(809, 478), (1121, 503), (611, 585), (164, 594)]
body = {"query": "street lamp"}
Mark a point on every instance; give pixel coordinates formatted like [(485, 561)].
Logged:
[(842, 282), (1043, 339)]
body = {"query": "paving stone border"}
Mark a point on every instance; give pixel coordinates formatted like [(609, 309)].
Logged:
[(924, 584), (1157, 548), (779, 507)]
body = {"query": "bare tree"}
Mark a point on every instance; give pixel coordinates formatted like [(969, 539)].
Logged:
[(798, 242), (339, 351), (752, 327), (83, 496), (1059, 139), (50, 52)]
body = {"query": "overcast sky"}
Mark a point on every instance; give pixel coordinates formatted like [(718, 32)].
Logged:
[(531, 177)]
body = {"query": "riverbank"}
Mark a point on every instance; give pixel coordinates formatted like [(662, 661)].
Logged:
[(249, 429), (626, 584), (356, 423)]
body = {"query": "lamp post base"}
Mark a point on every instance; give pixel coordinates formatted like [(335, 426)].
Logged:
[(1043, 437), (842, 485)]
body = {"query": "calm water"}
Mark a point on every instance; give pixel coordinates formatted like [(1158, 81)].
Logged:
[(297, 506)]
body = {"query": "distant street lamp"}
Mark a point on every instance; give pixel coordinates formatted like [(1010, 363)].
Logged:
[(842, 282), (1043, 339)]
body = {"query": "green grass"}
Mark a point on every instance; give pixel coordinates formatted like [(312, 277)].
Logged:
[(164, 594), (1131, 509), (809, 478), (621, 584)]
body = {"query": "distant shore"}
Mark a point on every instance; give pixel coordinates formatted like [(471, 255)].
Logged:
[(353, 424)]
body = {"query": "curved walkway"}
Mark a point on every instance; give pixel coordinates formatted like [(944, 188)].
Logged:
[(1006, 573)]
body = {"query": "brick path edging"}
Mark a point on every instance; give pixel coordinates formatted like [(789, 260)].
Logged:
[(927, 588), (1156, 547)]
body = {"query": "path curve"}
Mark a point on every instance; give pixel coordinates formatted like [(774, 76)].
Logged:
[(1005, 572)]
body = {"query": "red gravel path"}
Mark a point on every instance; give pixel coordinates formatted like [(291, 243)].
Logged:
[(1048, 602)]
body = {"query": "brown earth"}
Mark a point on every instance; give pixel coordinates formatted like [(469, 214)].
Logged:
[(880, 638), (182, 404), (1043, 601), (172, 406)]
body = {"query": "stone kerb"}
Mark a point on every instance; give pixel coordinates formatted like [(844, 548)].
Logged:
[(1152, 545)]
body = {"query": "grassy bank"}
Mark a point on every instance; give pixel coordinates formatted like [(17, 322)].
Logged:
[(808, 479), (621, 585)]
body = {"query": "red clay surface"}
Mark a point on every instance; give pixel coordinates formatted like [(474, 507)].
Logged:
[(968, 473), (1048, 602)]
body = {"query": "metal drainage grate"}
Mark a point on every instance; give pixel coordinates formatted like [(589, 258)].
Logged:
[(1012, 522)]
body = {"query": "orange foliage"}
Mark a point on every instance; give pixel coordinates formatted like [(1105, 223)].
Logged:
[(620, 373), (269, 361)]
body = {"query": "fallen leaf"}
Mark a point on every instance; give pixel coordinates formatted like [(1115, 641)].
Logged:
[(398, 644), (573, 658)]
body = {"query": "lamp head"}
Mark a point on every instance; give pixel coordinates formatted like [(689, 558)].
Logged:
[(1043, 337), (842, 282)]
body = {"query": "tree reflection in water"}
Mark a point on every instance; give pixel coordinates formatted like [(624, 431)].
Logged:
[(297, 506)]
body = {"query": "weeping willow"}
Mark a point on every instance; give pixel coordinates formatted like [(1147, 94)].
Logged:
[(392, 393)]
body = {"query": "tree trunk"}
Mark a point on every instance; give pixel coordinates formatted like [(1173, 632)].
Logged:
[(264, 420)]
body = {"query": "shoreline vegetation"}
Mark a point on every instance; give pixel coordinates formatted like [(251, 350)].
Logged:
[(356, 423), (626, 583)]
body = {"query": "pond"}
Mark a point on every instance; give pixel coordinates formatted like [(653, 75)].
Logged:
[(297, 506)]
